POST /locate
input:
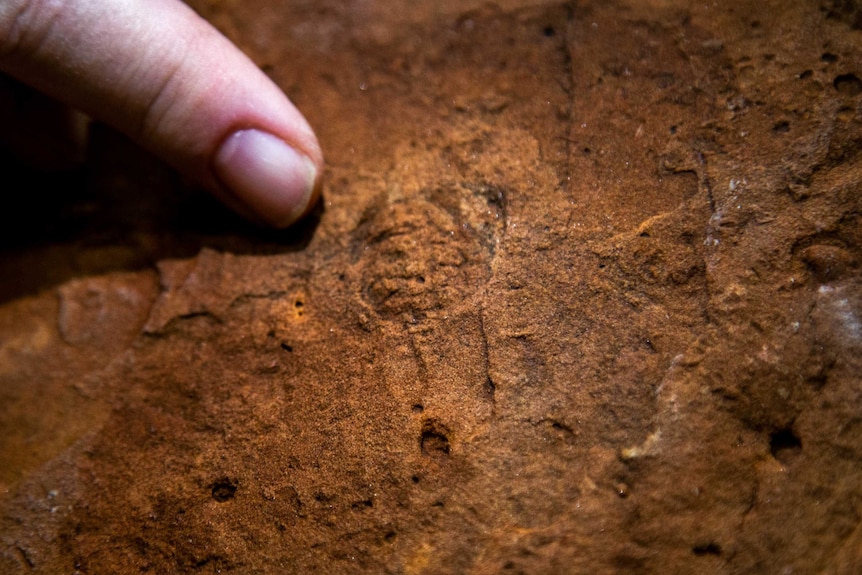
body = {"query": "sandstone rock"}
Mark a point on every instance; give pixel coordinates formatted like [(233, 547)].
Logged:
[(583, 296)]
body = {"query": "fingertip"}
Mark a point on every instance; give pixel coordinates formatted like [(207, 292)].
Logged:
[(274, 180)]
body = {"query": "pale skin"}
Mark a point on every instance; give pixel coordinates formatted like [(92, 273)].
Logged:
[(156, 71)]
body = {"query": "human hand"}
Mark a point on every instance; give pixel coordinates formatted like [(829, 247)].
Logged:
[(159, 73)]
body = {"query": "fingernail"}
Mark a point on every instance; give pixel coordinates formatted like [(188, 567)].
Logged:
[(266, 174)]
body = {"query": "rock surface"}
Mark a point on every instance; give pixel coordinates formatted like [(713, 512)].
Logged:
[(583, 296)]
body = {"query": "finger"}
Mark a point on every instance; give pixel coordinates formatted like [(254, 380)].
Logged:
[(158, 72)]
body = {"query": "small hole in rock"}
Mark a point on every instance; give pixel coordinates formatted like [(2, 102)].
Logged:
[(415, 479), (418, 408), (707, 549), (224, 490), (848, 84), (286, 347), (783, 444), (548, 31), (828, 57), (781, 127), (805, 75), (434, 440)]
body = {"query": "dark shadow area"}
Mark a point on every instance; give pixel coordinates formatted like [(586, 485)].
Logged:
[(784, 444), (123, 210)]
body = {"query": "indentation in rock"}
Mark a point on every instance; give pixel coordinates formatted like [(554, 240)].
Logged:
[(299, 306), (434, 440), (848, 84), (224, 489), (784, 444), (781, 127), (710, 548)]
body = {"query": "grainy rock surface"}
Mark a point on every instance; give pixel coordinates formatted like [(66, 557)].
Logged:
[(583, 296)]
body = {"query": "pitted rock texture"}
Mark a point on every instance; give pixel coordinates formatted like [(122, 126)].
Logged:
[(583, 296)]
